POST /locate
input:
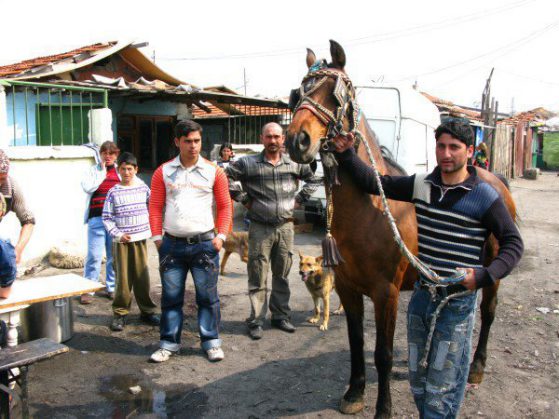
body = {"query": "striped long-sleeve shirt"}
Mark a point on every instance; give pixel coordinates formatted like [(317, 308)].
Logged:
[(270, 190), (453, 221), (126, 211), (182, 199), (15, 201)]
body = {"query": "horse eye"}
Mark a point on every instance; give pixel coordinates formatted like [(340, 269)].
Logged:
[(308, 86)]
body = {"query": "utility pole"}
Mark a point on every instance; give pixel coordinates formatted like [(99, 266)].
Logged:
[(489, 116), (245, 80)]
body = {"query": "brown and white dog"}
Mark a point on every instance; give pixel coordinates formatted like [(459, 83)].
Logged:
[(320, 284), (237, 242)]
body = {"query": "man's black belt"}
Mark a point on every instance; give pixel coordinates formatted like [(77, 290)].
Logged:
[(197, 238), (444, 292)]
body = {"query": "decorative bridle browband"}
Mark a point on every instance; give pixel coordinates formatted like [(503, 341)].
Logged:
[(344, 95)]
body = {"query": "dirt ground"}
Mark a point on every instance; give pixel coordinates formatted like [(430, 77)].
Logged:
[(305, 374)]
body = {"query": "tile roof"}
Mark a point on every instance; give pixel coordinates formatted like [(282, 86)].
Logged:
[(78, 55), (239, 110)]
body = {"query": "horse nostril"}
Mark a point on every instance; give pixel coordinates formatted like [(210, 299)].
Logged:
[(304, 140)]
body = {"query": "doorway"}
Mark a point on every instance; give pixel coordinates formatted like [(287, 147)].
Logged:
[(149, 138)]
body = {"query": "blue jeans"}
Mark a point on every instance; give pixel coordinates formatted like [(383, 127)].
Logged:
[(438, 390), (99, 242), (8, 269), (176, 259)]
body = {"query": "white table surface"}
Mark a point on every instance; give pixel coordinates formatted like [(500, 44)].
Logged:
[(34, 290)]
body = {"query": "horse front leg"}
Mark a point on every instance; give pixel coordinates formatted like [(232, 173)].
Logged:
[(488, 308), (386, 310), (352, 401)]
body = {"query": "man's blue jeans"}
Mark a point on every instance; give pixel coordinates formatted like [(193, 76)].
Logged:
[(98, 242), (438, 390), (176, 259), (8, 268)]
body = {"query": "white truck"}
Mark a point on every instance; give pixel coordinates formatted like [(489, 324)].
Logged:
[(404, 121)]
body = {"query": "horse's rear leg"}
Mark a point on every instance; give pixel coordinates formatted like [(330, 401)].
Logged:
[(386, 310), (488, 307), (352, 401)]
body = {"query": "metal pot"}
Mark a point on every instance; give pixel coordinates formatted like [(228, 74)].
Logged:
[(49, 319)]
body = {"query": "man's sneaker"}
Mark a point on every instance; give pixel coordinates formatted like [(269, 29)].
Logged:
[(161, 355), (150, 318), (215, 354), (117, 325), (284, 325), (255, 332)]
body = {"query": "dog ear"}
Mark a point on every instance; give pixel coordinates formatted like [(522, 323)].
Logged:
[(319, 259), (300, 254)]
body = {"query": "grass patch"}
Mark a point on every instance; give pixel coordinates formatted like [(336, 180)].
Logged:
[(551, 150)]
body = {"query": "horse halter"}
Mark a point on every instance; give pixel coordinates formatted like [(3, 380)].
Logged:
[(344, 95)]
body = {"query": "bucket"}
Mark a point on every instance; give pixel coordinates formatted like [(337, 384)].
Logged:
[(49, 319)]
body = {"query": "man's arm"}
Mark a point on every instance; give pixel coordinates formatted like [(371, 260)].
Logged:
[(156, 205), (399, 188), (93, 178), (224, 208), (108, 218), (499, 222), (236, 172), (24, 236), (25, 217)]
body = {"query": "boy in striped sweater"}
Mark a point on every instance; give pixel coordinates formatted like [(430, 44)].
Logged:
[(456, 212), (126, 218)]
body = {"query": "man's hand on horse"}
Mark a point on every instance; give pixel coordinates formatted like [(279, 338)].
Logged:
[(342, 143), (470, 280)]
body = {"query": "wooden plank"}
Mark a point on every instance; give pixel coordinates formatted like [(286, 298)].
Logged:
[(30, 352), (36, 290)]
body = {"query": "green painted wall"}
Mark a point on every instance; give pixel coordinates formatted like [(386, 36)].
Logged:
[(551, 150)]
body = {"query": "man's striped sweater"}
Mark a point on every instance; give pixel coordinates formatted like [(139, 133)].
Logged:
[(453, 221)]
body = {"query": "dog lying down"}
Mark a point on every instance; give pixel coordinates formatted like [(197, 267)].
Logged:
[(237, 242), (320, 283)]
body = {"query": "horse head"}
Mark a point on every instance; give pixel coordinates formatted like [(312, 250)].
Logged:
[(323, 106)]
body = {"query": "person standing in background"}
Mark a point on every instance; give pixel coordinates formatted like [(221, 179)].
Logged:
[(96, 183)]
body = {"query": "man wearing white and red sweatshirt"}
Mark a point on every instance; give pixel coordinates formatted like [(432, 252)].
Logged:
[(183, 193)]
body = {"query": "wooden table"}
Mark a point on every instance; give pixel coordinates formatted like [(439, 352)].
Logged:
[(35, 290)]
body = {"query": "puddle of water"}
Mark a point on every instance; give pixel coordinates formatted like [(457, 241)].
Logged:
[(153, 401)]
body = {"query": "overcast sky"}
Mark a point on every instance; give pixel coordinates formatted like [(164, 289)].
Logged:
[(448, 47)]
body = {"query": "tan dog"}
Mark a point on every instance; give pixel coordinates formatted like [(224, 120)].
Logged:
[(237, 242), (320, 284)]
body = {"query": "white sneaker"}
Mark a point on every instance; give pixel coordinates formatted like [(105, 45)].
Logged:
[(161, 355), (215, 354)]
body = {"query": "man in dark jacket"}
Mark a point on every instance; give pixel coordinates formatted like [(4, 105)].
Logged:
[(456, 213)]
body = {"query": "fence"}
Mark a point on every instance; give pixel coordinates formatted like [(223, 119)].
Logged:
[(503, 150), (47, 114)]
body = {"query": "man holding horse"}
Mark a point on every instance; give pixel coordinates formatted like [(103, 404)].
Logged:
[(269, 182), (457, 211)]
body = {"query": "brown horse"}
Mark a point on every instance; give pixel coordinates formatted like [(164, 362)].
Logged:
[(373, 263)]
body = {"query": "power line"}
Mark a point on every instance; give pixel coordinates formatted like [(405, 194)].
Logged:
[(500, 51), (414, 30)]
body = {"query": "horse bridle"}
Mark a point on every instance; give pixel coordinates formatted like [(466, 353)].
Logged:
[(344, 95)]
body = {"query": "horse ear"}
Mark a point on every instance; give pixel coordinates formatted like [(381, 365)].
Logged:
[(338, 55), (311, 57)]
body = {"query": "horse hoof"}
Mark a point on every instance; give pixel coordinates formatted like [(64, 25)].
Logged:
[(475, 377), (351, 408)]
